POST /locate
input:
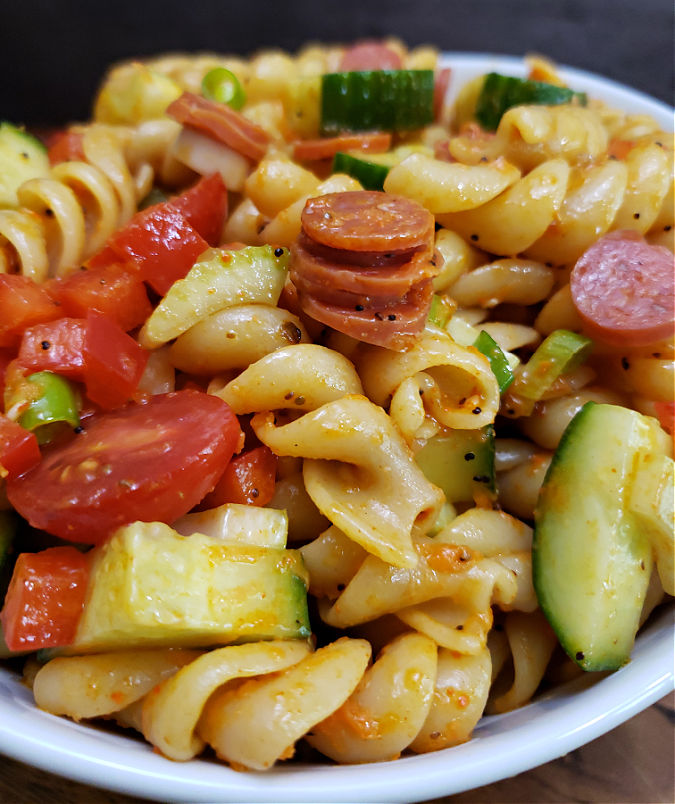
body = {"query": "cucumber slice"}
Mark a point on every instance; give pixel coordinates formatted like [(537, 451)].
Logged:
[(376, 100), (22, 157), (370, 175), (461, 463), (591, 559), (501, 92)]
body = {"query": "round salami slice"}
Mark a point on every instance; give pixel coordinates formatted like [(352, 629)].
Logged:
[(392, 326), (370, 55), (367, 220), (221, 123), (385, 281), (624, 290)]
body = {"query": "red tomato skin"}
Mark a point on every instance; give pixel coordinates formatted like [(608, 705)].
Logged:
[(45, 599), (19, 450), (114, 362), (65, 146), (22, 303), (249, 479), (152, 461), (205, 207), (160, 243), (110, 289), (55, 346)]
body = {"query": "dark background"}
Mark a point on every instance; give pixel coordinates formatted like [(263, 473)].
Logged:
[(53, 54)]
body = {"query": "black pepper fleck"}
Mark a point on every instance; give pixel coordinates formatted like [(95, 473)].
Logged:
[(636, 215), (378, 315), (45, 345), (469, 456), (79, 429), (359, 308), (477, 410), (278, 252), (299, 400), (474, 237), (579, 655), (625, 365), (391, 317), (255, 493)]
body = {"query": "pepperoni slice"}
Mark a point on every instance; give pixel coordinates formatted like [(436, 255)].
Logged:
[(220, 122), (370, 55), (326, 278), (624, 290), (367, 220), (376, 142), (392, 326)]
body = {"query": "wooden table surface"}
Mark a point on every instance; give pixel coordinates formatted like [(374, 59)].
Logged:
[(633, 763)]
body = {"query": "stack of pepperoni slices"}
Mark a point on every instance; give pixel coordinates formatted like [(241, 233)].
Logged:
[(363, 265)]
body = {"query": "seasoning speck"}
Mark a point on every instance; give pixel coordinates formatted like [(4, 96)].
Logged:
[(278, 252), (45, 345)]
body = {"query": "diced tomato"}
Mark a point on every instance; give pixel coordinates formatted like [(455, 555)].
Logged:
[(56, 346), (248, 480), (45, 599), (205, 207), (65, 146), (114, 362), (159, 243), (19, 449), (94, 350), (22, 303), (151, 462), (118, 293), (666, 414)]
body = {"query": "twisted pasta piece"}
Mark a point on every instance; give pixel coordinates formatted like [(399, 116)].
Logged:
[(460, 695), (66, 217), (254, 724), (461, 391), (355, 464), (388, 707), (172, 709)]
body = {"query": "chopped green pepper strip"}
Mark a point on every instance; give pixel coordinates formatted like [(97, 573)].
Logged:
[(499, 363), (560, 353), (53, 404), (502, 92), (222, 85)]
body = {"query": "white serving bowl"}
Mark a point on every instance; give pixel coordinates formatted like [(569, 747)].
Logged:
[(502, 746)]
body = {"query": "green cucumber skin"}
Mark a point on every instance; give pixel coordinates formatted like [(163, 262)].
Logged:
[(591, 562), (370, 175), (502, 92), (376, 100)]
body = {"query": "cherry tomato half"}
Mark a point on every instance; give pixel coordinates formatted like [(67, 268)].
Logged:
[(151, 462)]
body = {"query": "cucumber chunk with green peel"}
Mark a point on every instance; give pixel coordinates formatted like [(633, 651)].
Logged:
[(591, 555), (370, 175), (501, 92), (376, 100), (461, 463), (22, 157)]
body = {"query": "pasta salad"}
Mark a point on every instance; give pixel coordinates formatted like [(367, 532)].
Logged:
[(335, 415)]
